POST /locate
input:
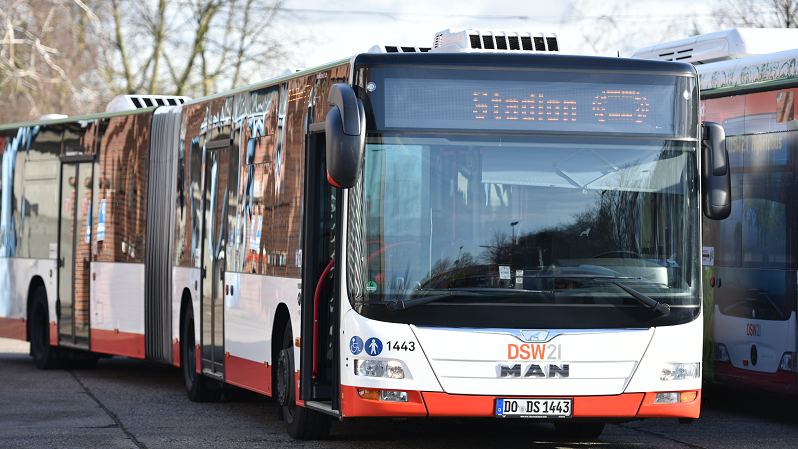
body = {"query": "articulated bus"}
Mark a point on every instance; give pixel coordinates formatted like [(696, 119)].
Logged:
[(485, 228), (749, 81)]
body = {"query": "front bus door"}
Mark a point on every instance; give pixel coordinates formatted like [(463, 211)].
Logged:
[(214, 242), (74, 257), (320, 377)]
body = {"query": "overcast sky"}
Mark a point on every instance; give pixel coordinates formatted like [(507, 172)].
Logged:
[(334, 29)]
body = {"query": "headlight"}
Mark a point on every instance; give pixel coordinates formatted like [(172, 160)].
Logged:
[(787, 362), (378, 368), (721, 353), (680, 371)]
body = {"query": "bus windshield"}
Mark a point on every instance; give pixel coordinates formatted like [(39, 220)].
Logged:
[(523, 220)]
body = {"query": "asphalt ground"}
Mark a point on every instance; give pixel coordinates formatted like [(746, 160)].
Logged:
[(126, 403)]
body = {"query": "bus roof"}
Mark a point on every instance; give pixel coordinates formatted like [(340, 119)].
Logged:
[(543, 62), (749, 74)]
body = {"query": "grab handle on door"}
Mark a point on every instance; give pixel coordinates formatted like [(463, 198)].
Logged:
[(315, 370)]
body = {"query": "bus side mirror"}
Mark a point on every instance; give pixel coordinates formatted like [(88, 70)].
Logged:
[(715, 172), (345, 130)]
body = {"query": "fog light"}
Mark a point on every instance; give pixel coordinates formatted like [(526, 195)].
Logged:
[(383, 395), (373, 395), (393, 396), (688, 396), (392, 369), (395, 370), (680, 371), (666, 398), (721, 353)]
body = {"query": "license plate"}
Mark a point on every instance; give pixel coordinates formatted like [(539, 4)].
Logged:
[(534, 408)]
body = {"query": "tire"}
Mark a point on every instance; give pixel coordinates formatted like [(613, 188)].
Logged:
[(300, 422), (579, 430), (198, 387), (44, 355)]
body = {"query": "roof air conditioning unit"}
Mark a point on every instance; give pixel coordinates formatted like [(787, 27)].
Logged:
[(494, 41), (722, 45), (132, 102)]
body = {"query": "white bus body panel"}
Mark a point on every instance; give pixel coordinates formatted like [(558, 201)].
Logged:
[(249, 313), (682, 343), (772, 339), (418, 373), (469, 362), (117, 297), (15, 277), (185, 278)]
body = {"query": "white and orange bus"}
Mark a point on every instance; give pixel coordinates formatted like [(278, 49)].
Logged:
[(749, 81), (485, 228)]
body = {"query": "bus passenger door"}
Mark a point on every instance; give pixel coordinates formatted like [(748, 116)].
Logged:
[(214, 242), (74, 247), (320, 377)]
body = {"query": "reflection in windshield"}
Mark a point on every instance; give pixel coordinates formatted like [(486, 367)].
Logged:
[(506, 213)]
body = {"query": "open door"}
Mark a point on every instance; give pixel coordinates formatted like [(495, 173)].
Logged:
[(214, 242), (320, 385), (74, 247)]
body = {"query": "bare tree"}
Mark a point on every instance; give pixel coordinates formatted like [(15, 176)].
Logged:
[(618, 27), (758, 13), (49, 56), (193, 47)]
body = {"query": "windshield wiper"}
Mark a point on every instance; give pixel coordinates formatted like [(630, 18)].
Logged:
[(658, 307), (448, 293)]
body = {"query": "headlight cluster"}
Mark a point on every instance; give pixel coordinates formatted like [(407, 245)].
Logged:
[(383, 395), (680, 371), (788, 362), (722, 354), (675, 397), (392, 369)]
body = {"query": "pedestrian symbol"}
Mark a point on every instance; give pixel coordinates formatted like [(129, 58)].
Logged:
[(373, 346), (356, 345)]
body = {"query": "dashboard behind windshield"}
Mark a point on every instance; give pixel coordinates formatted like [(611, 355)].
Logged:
[(523, 221)]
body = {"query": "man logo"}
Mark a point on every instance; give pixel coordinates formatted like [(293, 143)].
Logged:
[(533, 370)]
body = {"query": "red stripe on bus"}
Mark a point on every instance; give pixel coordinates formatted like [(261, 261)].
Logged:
[(777, 382), (53, 333), (648, 409), (247, 374), (443, 404), (122, 343), (13, 328), (176, 353), (299, 402), (617, 406), (353, 405)]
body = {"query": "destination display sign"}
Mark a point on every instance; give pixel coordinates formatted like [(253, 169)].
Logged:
[(529, 106)]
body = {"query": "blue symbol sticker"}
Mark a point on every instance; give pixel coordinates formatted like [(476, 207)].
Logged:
[(356, 345), (499, 406), (373, 346)]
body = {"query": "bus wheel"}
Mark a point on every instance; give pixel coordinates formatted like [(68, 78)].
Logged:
[(579, 430), (45, 356), (197, 385), (300, 422)]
